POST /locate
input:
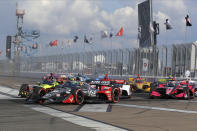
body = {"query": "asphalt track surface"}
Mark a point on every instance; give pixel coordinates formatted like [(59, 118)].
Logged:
[(16, 117), (138, 113)]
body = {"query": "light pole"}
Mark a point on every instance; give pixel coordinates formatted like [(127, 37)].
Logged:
[(195, 60)]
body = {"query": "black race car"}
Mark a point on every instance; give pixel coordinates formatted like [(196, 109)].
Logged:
[(78, 92)]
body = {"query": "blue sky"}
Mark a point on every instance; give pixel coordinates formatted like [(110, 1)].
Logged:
[(62, 19)]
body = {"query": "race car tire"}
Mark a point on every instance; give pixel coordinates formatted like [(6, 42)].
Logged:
[(24, 90), (115, 95), (39, 92), (78, 96), (151, 97), (42, 93)]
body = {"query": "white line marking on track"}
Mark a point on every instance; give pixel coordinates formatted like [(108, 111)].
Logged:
[(156, 108), (185, 101), (5, 97), (10, 91), (94, 108), (75, 119)]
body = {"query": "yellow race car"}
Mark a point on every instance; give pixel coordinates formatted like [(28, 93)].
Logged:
[(46, 86), (139, 84)]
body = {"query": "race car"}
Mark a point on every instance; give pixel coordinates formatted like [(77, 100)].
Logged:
[(69, 92), (182, 89), (140, 84), (47, 85), (125, 89), (161, 89), (40, 90), (77, 93), (26, 89), (82, 78)]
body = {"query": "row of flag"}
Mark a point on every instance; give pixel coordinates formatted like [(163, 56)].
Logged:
[(104, 34), (154, 27), (187, 21), (107, 34)]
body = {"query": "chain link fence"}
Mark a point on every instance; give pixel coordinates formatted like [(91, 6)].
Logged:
[(159, 61)]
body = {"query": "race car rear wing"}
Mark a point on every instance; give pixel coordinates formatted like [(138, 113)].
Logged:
[(100, 82)]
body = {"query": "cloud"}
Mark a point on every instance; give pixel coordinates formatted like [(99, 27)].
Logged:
[(65, 17), (177, 5), (161, 18), (175, 10), (62, 17), (123, 17)]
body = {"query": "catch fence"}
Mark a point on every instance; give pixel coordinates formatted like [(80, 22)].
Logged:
[(160, 61)]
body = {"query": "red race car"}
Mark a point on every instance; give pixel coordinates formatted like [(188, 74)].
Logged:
[(175, 89), (125, 89)]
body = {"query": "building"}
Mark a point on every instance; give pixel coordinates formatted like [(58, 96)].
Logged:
[(184, 58)]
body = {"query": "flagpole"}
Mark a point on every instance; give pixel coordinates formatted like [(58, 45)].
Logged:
[(166, 37), (84, 46), (111, 43), (186, 34)]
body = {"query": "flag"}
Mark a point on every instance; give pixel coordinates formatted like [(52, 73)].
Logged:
[(168, 26), (53, 43), (187, 19), (110, 35), (151, 27), (120, 33), (75, 39), (86, 40), (104, 34)]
